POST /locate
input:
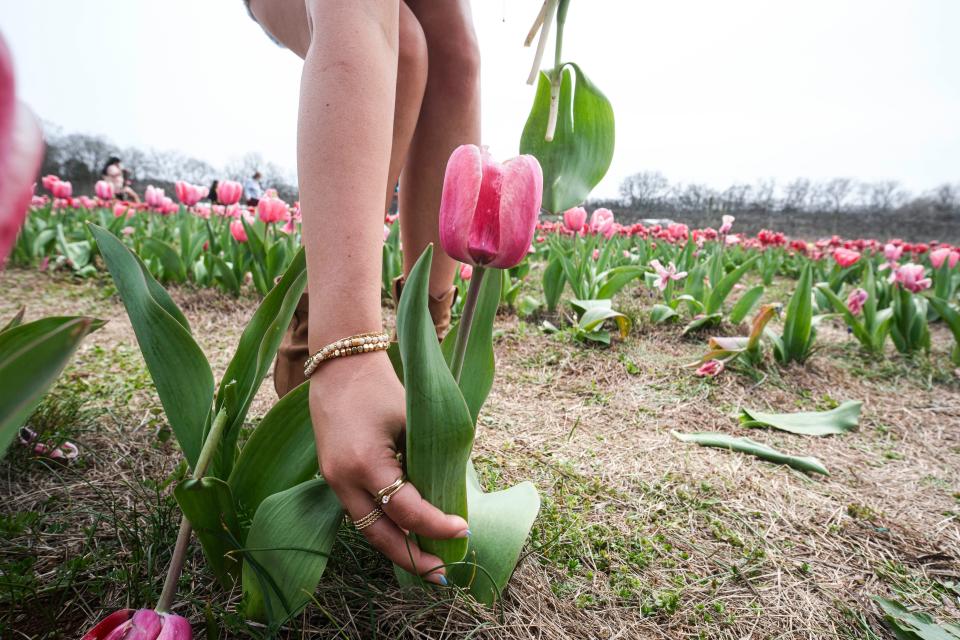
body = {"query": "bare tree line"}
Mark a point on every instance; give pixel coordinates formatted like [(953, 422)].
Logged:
[(80, 157), (801, 207)]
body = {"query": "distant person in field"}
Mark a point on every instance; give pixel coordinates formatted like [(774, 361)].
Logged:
[(387, 85), (128, 191), (212, 192), (119, 178), (252, 191)]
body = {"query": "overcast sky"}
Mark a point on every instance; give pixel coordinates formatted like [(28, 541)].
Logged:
[(705, 91)]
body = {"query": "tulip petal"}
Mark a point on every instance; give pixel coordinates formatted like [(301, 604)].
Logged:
[(21, 148), (461, 190), (108, 624), (147, 625), (521, 195), (483, 243), (175, 628)]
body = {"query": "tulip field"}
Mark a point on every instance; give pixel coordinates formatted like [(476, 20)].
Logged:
[(727, 435)]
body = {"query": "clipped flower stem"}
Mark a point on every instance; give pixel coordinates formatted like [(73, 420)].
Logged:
[(183, 537), (466, 321), (556, 75), (547, 12)]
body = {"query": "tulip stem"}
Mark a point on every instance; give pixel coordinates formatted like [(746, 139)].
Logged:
[(466, 321), (183, 536)]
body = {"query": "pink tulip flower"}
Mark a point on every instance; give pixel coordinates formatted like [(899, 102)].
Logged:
[(945, 254), (892, 252), (21, 150), (119, 209), (104, 190), (239, 233), (710, 369), (575, 218), (127, 231), (62, 190), (666, 274), (143, 624), (596, 254), (272, 209), (727, 224), (48, 181), (601, 221), (911, 277), (489, 210), (846, 257), (229, 192), (856, 300), (466, 272), (154, 197), (188, 194)]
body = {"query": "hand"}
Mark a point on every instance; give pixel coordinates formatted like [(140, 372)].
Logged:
[(358, 411)]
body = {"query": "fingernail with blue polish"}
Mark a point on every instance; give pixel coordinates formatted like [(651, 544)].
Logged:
[(443, 580)]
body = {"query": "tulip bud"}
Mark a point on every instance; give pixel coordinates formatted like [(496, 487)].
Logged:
[(271, 209), (602, 222), (489, 210), (229, 192), (104, 190), (62, 189), (574, 219), (727, 224), (846, 257), (466, 272), (239, 233), (143, 624), (856, 300), (710, 369)]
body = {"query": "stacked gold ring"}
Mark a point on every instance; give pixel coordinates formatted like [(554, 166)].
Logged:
[(384, 495), (360, 343), (368, 519)]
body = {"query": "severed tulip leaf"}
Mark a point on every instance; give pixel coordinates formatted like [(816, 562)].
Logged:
[(842, 419), (476, 378), (32, 356), (580, 153), (439, 430), (915, 625), (287, 549), (255, 353), (754, 448), (500, 523), (209, 506), (279, 454), (178, 367)]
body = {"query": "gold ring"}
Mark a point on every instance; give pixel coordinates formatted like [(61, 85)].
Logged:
[(384, 495), (368, 519)]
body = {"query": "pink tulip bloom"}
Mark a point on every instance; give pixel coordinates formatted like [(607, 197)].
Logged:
[(727, 224), (119, 209), (856, 300), (596, 254), (272, 209), (289, 227), (154, 197), (62, 190), (846, 257), (239, 233), (386, 231), (143, 624), (945, 254), (466, 272), (229, 192), (489, 210), (892, 252), (911, 277), (48, 181), (601, 221), (710, 369), (188, 194), (127, 231), (575, 218), (104, 190), (665, 275)]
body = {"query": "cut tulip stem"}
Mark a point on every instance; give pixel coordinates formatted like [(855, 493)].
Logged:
[(183, 537), (466, 321)]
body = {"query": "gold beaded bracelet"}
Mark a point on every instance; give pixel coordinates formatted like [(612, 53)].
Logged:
[(360, 343)]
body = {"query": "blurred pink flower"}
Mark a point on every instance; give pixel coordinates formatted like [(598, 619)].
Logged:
[(119, 209), (229, 192), (62, 189), (188, 194), (856, 300), (127, 231), (575, 218), (727, 225), (153, 197), (143, 624), (272, 209), (946, 254), (665, 275), (911, 277), (466, 272), (239, 233), (846, 257), (103, 189), (48, 181), (601, 221), (710, 369)]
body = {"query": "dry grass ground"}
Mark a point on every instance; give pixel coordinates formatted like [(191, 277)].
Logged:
[(640, 536)]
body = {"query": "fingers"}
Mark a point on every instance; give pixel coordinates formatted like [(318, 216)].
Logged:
[(390, 540), (410, 511)]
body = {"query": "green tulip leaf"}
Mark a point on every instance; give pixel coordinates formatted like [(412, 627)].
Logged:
[(619, 277), (32, 356), (910, 625), (701, 322), (173, 267), (178, 367), (746, 303), (476, 378), (209, 506), (255, 353), (725, 284), (439, 429), (580, 153), (952, 317), (500, 523), (661, 313), (16, 320), (280, 453), (553, 281), (754, 448), (287, 549), (841, 420)]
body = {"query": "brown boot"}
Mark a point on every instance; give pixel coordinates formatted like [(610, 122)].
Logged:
[(440, 308), (293, 352)]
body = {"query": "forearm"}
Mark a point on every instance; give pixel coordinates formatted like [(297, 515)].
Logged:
[(344, 138)]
